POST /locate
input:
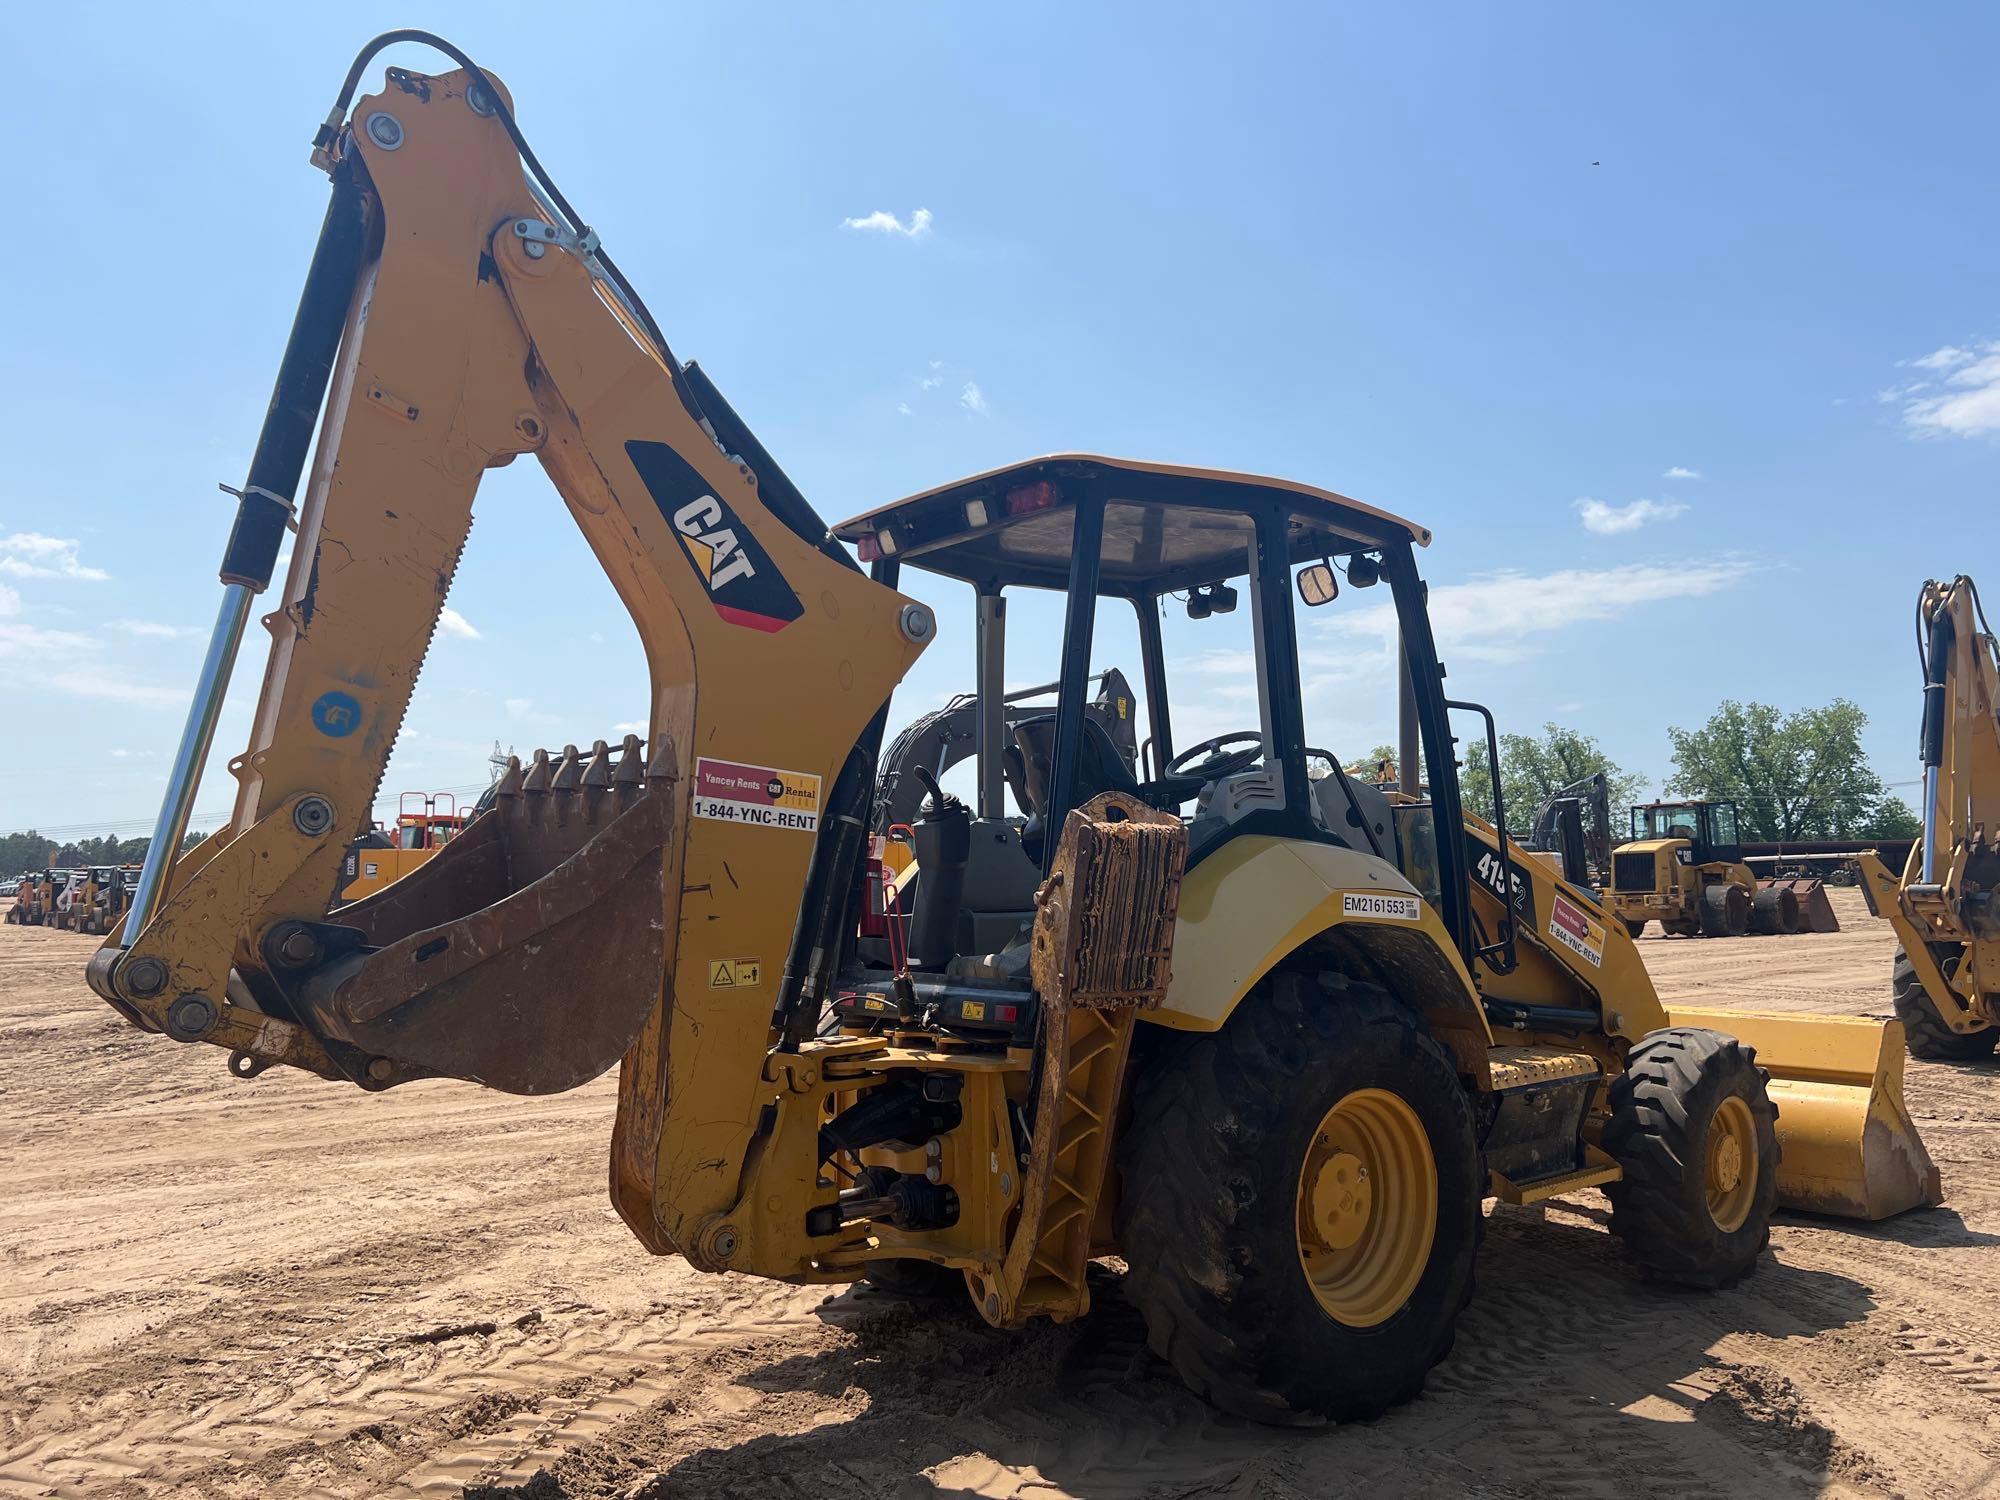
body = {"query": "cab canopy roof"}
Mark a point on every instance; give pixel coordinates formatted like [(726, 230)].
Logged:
[(1165, 527)]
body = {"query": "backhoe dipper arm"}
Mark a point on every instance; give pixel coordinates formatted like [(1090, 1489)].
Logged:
[(1946, 908), (642, 907)]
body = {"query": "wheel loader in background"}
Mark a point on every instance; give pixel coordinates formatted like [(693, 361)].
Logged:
[(1683, 867), (1945, 908), (1270, 1039)]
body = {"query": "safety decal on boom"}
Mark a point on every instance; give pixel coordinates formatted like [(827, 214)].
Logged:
[(1573, 928), (743, 583), (758, 795), (1370, 904)]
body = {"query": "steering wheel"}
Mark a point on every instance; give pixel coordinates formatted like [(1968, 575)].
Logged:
[(1218, 762)]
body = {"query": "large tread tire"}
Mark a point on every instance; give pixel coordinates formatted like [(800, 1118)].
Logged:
[(1632, 928), (1725, 911), (1210, 1163), (1662, 1106), (1924, 1030)]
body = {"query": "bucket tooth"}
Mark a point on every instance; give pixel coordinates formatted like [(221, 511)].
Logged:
[(509, 784), (539, 775), (569, 771), (665, 765), (631, 765), (597, 772)]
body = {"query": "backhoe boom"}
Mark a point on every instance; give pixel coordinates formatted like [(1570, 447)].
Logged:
[(453, 327)]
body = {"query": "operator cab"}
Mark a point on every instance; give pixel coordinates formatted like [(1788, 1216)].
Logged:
[(1149, 538), (1709, 827)]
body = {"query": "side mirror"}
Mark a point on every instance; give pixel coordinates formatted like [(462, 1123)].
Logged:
[(1317, 585)]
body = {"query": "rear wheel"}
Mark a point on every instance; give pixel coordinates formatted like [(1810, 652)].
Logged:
[(1301, 1203), (1725, 911), (1694, 1128), (1925, 1031), (1682, 929)]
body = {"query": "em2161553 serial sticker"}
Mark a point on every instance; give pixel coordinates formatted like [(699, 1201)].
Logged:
[(1381, 904), (762, 796)]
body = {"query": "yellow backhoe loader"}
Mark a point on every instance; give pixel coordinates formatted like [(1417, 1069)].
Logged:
[(1946, 907), (35, 901), (425, 823), (1683, 868), (1270, 1039)]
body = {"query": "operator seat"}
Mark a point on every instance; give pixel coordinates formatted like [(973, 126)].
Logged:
[(1026, 765)]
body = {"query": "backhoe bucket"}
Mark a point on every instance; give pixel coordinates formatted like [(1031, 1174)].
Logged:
[(1847, 1145), (1815, 911)]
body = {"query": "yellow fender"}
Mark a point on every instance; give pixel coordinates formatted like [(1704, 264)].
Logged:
[(1257, 900)]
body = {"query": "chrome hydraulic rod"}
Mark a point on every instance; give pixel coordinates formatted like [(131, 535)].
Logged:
[(197, 738)]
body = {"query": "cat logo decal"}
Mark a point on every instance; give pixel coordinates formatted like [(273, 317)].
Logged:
[(744, 584)]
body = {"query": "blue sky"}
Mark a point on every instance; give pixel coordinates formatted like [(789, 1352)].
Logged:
[(1681, 329)]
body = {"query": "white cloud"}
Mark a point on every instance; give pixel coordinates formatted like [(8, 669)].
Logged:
[(1677, 472), (454, 624), (1501, 618), (37, 640), (10, 601), (519, 708), (631, 726), (29, 554), (132, 754), (1950, 357), (113, 687), (902, 408), (1962, 397), (973, 399), (1601, 519), (884, 222), (155, 629)]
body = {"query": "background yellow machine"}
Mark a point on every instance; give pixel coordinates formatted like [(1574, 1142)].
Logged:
[(1271, 1039), (1684, 869), (425, 823), (1945, 908)]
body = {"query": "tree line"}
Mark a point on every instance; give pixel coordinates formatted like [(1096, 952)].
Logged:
[(1793, 776), (21, 853)]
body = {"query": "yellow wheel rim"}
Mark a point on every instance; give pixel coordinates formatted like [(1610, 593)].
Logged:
[(1731, 1171), (1367, 1209)]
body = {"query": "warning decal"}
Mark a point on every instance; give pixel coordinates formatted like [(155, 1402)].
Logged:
[(1368, 904), (770, 798), (734, 973), (1573, 928)]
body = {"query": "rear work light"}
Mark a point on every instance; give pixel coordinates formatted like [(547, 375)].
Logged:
[(876, 545), (1041, 495)]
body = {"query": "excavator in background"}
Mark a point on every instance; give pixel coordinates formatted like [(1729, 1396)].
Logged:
[(1945, 908), (1684, 868), (1573, 824), (1270, 1038)]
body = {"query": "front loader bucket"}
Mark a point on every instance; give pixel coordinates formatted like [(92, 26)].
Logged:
[(1847, 1145), (1815, 911)]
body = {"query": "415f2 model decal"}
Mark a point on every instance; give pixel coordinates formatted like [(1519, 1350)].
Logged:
[(743, 582)]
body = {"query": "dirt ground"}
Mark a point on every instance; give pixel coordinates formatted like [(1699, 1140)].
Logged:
[(281, 1287)]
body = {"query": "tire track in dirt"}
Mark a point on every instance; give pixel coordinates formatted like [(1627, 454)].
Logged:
[(219, 1289)]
